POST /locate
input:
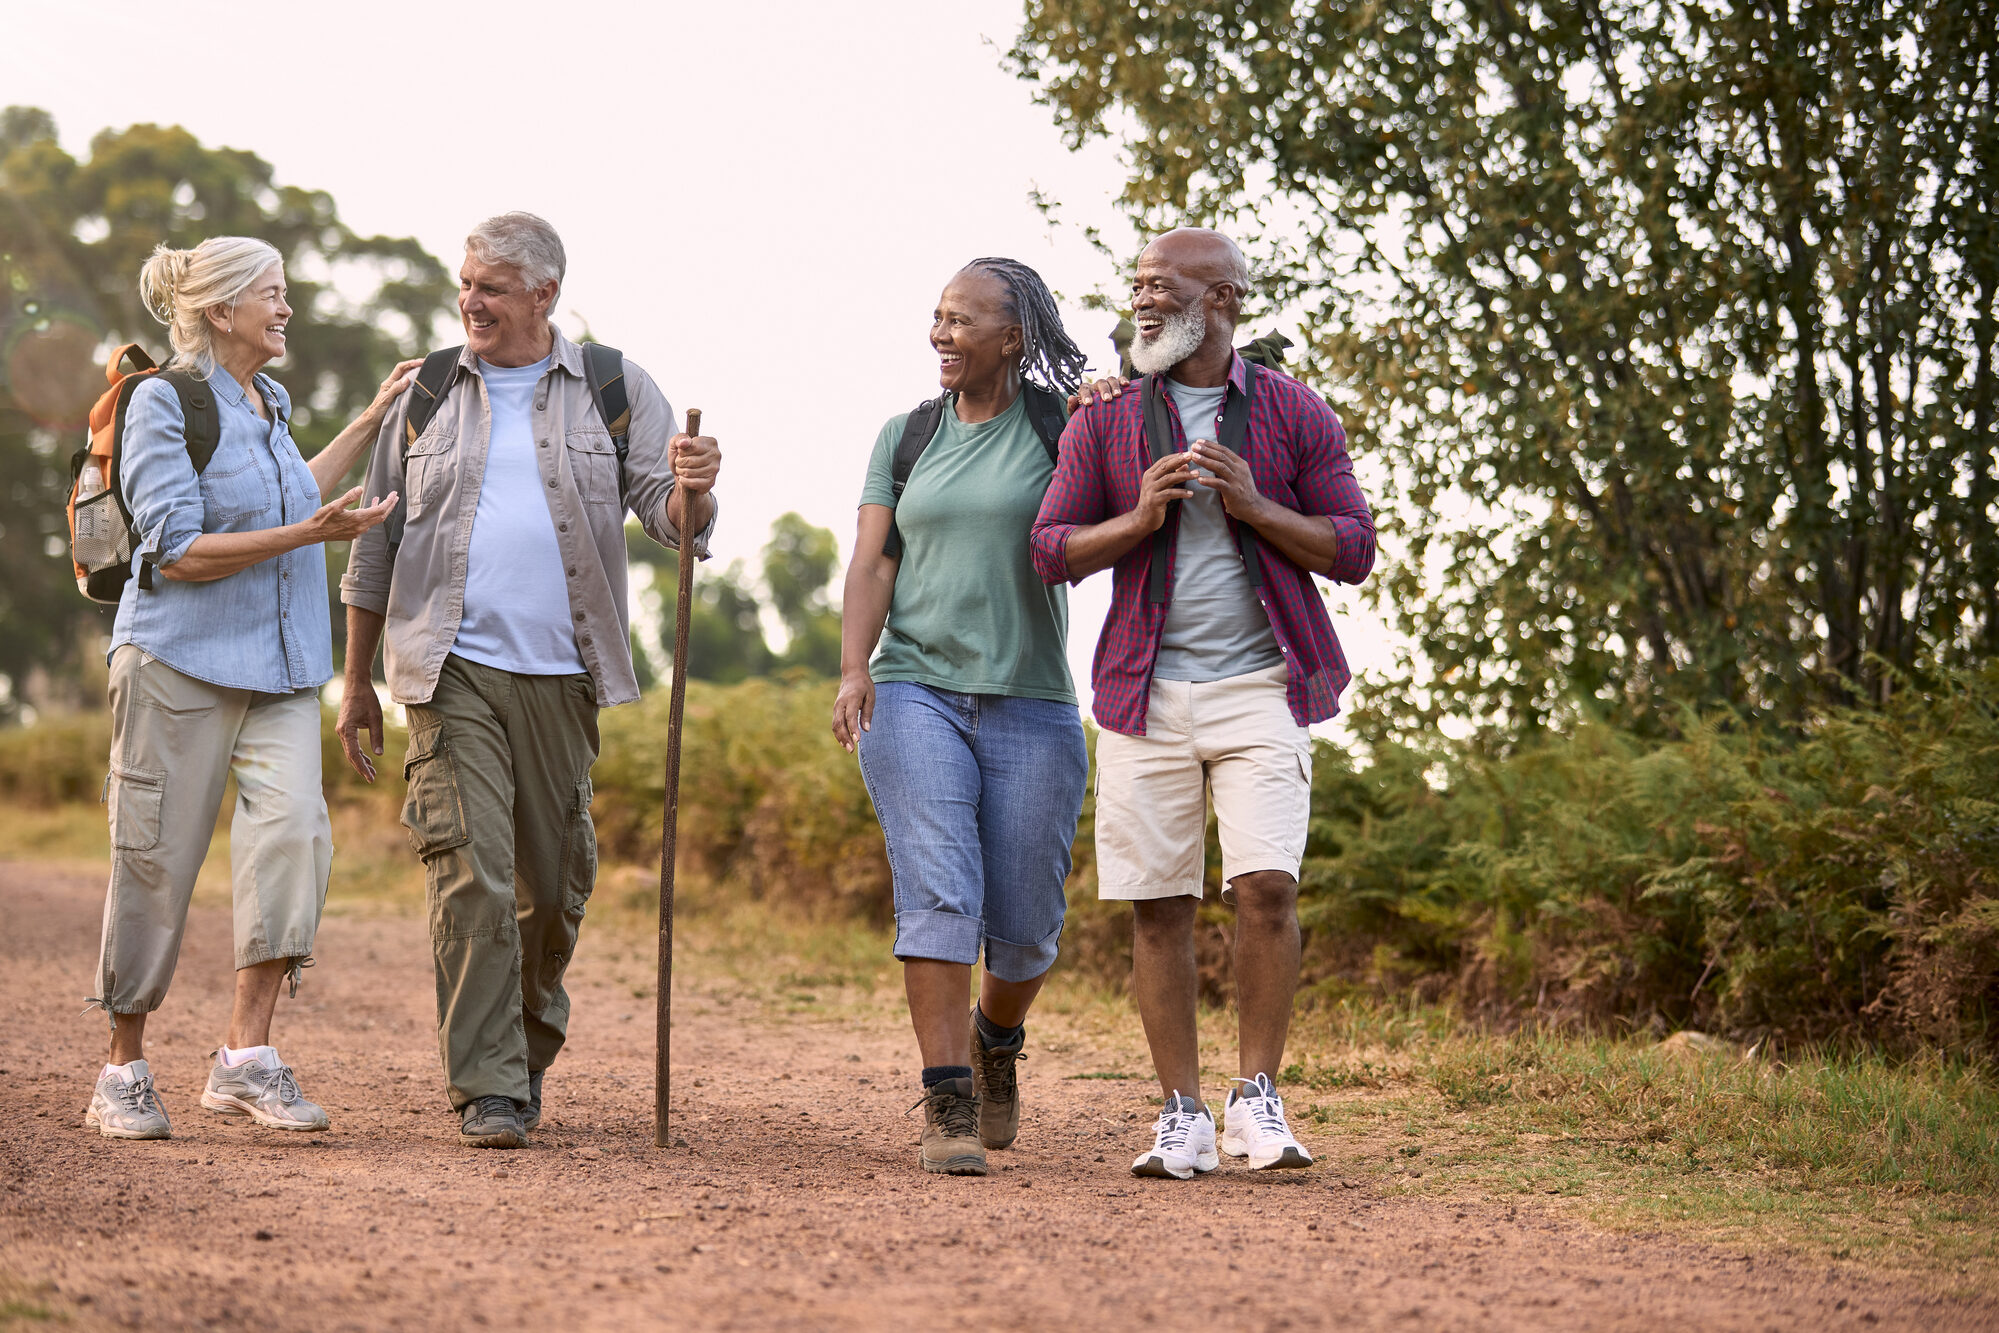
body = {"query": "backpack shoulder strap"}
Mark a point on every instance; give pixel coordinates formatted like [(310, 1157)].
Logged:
[(917, 432), (426, 395), (1235, 438), (1048, 410), (433, 381), (1159, 439), (203, 417), (604, 372)]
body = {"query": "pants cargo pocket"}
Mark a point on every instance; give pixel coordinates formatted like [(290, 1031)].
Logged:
[(433, 812), (135, 808), (579, 877)]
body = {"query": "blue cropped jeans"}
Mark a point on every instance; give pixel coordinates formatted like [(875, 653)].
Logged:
[(978, 797)]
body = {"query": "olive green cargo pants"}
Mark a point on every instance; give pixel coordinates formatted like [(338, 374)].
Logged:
[(499, 809)]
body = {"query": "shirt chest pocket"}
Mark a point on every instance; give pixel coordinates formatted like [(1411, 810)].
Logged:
[(428, 468), (593, 465), (235, 493)]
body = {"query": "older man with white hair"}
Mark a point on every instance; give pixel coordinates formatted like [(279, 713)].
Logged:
[(502, 593)]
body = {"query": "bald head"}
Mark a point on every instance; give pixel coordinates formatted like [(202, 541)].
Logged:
[(1186, 300), (1203, 254)]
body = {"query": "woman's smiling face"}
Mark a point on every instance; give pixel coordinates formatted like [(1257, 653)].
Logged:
[(977, 339), (255, 324)]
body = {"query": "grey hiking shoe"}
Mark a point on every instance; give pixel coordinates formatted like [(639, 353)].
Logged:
[(951, 1144), (122, 1110), (492, 1122), (995, 1077), (268, 1094), (531, 1114)]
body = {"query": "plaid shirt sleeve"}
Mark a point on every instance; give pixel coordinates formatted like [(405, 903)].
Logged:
[(1075, 498), (1326, 488)]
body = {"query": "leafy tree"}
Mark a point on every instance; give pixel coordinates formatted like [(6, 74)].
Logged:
[(798, 565), (725, 637), (73, 234), (1693, 300)]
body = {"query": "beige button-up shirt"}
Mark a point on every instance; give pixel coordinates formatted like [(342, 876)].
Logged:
[(421, 593)]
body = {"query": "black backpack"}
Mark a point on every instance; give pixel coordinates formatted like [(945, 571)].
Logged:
[(603, 371), (1047, 409)]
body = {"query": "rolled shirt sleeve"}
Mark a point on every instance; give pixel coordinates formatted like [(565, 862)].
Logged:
[(1326, 488), (158, 477), (1075, 497), (649, 479)]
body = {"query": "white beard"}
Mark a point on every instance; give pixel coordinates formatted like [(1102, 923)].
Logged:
[(1179, 337)]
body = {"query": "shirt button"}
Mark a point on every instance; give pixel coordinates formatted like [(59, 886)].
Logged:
[(579, 615), (560, 527), (542, 443), (551, 483), (572, 571)]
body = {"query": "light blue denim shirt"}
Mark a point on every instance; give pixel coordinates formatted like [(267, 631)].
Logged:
[(264, 628)]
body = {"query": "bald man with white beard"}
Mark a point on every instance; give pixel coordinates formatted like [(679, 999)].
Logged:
[(1214, 492)]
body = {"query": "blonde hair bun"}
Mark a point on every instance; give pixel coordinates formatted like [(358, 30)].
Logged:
[(161, 278)]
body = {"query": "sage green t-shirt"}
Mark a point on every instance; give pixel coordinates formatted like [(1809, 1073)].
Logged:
[(969, 612)]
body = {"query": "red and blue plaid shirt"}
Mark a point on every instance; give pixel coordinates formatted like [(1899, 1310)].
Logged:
[(1298, 454)]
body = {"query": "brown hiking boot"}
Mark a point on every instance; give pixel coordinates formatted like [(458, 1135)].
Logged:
[(951, 1129), (997, 1083)]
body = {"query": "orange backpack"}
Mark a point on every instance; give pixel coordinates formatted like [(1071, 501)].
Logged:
[(100, 518)]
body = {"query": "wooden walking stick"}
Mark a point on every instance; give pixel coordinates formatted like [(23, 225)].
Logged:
[(683, 604)]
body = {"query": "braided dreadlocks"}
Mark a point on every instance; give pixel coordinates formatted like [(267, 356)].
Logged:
[(1046, 354)]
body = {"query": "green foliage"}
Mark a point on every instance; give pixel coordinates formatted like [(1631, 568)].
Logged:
[(1840, 886), (799, 561), (1690, 305), (725, 638), (73, 234), (768, 803)]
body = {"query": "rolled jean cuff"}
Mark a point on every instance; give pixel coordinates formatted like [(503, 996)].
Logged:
[(1022, 962), (945, 937)]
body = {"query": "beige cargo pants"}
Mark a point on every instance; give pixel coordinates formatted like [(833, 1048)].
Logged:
[(175, 741), (499, 809)]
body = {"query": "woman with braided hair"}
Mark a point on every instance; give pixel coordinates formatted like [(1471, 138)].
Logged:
[(955, 691)]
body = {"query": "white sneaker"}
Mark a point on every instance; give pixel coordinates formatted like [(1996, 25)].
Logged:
[(128, 1108), (267, 1093), (1183, 1141), (1253, 1127)]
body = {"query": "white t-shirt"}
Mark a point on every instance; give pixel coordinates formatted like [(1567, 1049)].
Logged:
[(517, 614)]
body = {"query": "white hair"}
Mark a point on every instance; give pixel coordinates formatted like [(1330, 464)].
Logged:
[(180, 286), (522, 242)]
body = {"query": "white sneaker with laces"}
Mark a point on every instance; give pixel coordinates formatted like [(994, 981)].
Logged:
[(127, 1108), (1254, 1127), (1183, 1142)]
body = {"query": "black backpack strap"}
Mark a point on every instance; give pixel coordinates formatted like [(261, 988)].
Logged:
[(604, 371), (1159, 436), (426, 395), (202, 415), (1049, 411), (202, 428), (917, 432), (433, 382), (1235, 439)]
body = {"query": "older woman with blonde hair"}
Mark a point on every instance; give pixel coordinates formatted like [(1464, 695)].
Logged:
[(219, 649)]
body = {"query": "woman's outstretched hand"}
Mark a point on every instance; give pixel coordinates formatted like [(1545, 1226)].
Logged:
[(339, 521)]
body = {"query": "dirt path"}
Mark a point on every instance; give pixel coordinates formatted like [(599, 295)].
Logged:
[(796, 1204)]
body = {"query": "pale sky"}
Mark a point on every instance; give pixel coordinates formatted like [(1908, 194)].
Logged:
[(760, 202)]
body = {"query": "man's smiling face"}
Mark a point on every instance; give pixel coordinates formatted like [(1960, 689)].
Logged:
[(506, 321)]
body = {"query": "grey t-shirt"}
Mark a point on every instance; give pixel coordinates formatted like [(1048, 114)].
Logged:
[(1216, 626)]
